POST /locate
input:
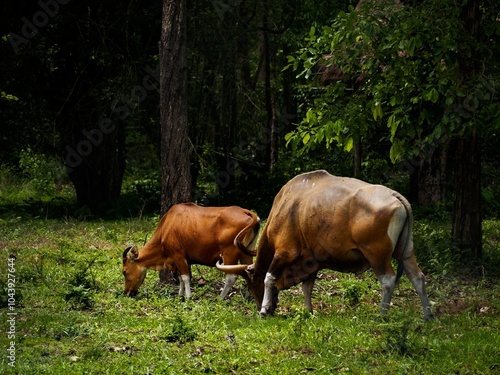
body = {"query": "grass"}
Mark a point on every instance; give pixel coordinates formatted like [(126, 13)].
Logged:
[(72, 317)]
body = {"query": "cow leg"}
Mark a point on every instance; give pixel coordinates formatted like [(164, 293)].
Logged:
[(417, 278), (307, 287), (388, 282), (185, 287), (181, 287), (270, 299), (380, 260), (184, 270), (267, 301), (228, 284)]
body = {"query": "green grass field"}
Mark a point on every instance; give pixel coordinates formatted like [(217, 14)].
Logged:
[(73, 319)]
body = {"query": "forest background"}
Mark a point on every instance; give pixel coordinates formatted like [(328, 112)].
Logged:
[(399, 93)]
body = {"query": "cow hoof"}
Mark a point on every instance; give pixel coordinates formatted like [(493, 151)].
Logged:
[(265, 311)]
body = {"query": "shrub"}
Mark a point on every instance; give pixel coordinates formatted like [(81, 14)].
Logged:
[(352, 291), (433, 247), (80, 289), (180, 331), (45, 174)]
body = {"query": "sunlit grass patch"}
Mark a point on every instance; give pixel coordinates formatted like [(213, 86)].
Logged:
[(156, 332)]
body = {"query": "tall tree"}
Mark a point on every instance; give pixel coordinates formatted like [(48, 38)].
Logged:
[(176, 176), (467, 212), (226, 129)]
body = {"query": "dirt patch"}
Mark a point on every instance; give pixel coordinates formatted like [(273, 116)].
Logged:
[(463, 296)]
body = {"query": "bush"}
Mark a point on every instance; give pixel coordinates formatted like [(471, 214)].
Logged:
[(45, 174), (80, 289), (352, 291), (180, 331), (432, 244), (142, 195)]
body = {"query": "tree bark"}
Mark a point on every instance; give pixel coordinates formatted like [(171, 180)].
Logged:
[(93, 140), (176, 177), (432, 177), (358, 157), (96, 163), (226, 128), (272, 147), (467, 213)]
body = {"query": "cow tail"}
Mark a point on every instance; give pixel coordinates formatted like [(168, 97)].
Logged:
[(246, 239), (405, 237)]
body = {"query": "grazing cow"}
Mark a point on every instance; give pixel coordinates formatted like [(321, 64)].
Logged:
[(322, 221), (189, 234)]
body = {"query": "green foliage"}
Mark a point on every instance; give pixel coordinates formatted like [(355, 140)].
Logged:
[(301, 319), (397, 337), (396, 71), (80, 289), (30, 192), (180, 331), (433, 245), (8, 97), (143, 193), (9, 181), (5, 294), (43, 172), (352, 291), (490, 178)]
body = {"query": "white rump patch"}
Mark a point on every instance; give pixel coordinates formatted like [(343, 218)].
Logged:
[(396, 225)]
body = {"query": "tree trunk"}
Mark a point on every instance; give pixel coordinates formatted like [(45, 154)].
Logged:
[(94, 139), (467, 214), (96, 163), (289, 116), (176, 177), (272, 146), (358, 157), (226, 129), (432, 177)]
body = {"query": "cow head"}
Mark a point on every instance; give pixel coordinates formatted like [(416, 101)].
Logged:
[(254, 280), (133, 272)]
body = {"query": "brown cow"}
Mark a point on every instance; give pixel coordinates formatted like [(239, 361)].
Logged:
[(189, 234), (322, 221)]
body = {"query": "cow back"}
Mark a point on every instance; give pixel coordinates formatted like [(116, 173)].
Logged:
[(201, 234), (323, 217)]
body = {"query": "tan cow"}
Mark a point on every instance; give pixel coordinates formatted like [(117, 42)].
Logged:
[(322, 221), (190, 234)]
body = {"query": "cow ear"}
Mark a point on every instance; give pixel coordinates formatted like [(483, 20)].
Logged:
[(133, 253), (250, 270)]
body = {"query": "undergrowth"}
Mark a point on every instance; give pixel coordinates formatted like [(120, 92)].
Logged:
[(74, 319)]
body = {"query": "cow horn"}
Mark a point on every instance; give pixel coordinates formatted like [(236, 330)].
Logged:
[(237, 269)]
